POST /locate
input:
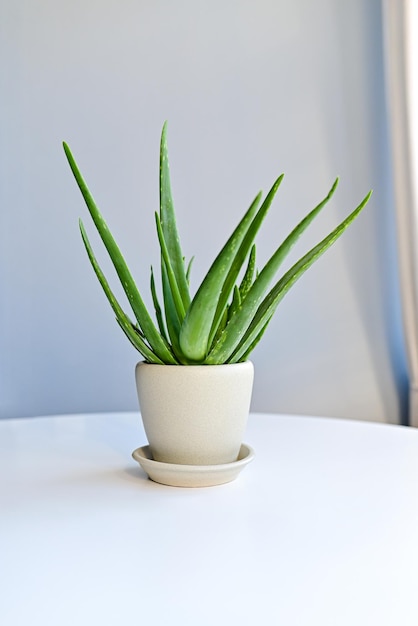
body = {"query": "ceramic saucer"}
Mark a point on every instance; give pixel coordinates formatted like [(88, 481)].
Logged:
[(192, 475)]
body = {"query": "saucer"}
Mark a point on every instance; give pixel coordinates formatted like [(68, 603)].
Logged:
[(192, 475)]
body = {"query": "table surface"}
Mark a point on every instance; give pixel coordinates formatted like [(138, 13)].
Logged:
[(321, 529)]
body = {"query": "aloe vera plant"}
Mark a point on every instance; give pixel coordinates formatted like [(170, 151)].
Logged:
[(226, 318)]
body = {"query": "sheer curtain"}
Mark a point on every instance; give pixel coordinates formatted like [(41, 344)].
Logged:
[(401, 60)]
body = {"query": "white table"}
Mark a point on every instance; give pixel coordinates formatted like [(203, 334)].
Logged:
[(321, 529)]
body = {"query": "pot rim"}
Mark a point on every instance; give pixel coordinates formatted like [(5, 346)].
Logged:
[(198, 365)]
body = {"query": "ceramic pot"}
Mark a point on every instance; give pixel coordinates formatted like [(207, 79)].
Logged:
[(195, 414)]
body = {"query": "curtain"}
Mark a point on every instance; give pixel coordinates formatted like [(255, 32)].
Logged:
[(400, 18)]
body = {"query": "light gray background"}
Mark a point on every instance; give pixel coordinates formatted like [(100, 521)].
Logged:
[(250, 89)]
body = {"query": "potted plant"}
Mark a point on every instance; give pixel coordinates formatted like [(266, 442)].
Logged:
[(195, 382)]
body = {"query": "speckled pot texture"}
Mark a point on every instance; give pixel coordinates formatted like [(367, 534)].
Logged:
[(195, 414)]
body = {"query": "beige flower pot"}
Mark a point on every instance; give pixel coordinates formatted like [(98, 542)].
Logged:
[(197, 414)]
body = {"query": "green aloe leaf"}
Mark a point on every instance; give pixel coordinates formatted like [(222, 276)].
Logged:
[(169, 224), (269, 305), (171, 317), (242, 254), (222, 324), (238, 324), (236, 302), (145, 322), (123, 320), (189, 269), (157, 307), (175, 291), (206, 310), (258, 338), (248, 278)]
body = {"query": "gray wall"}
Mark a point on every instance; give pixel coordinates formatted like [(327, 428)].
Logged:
[(250, 89)]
